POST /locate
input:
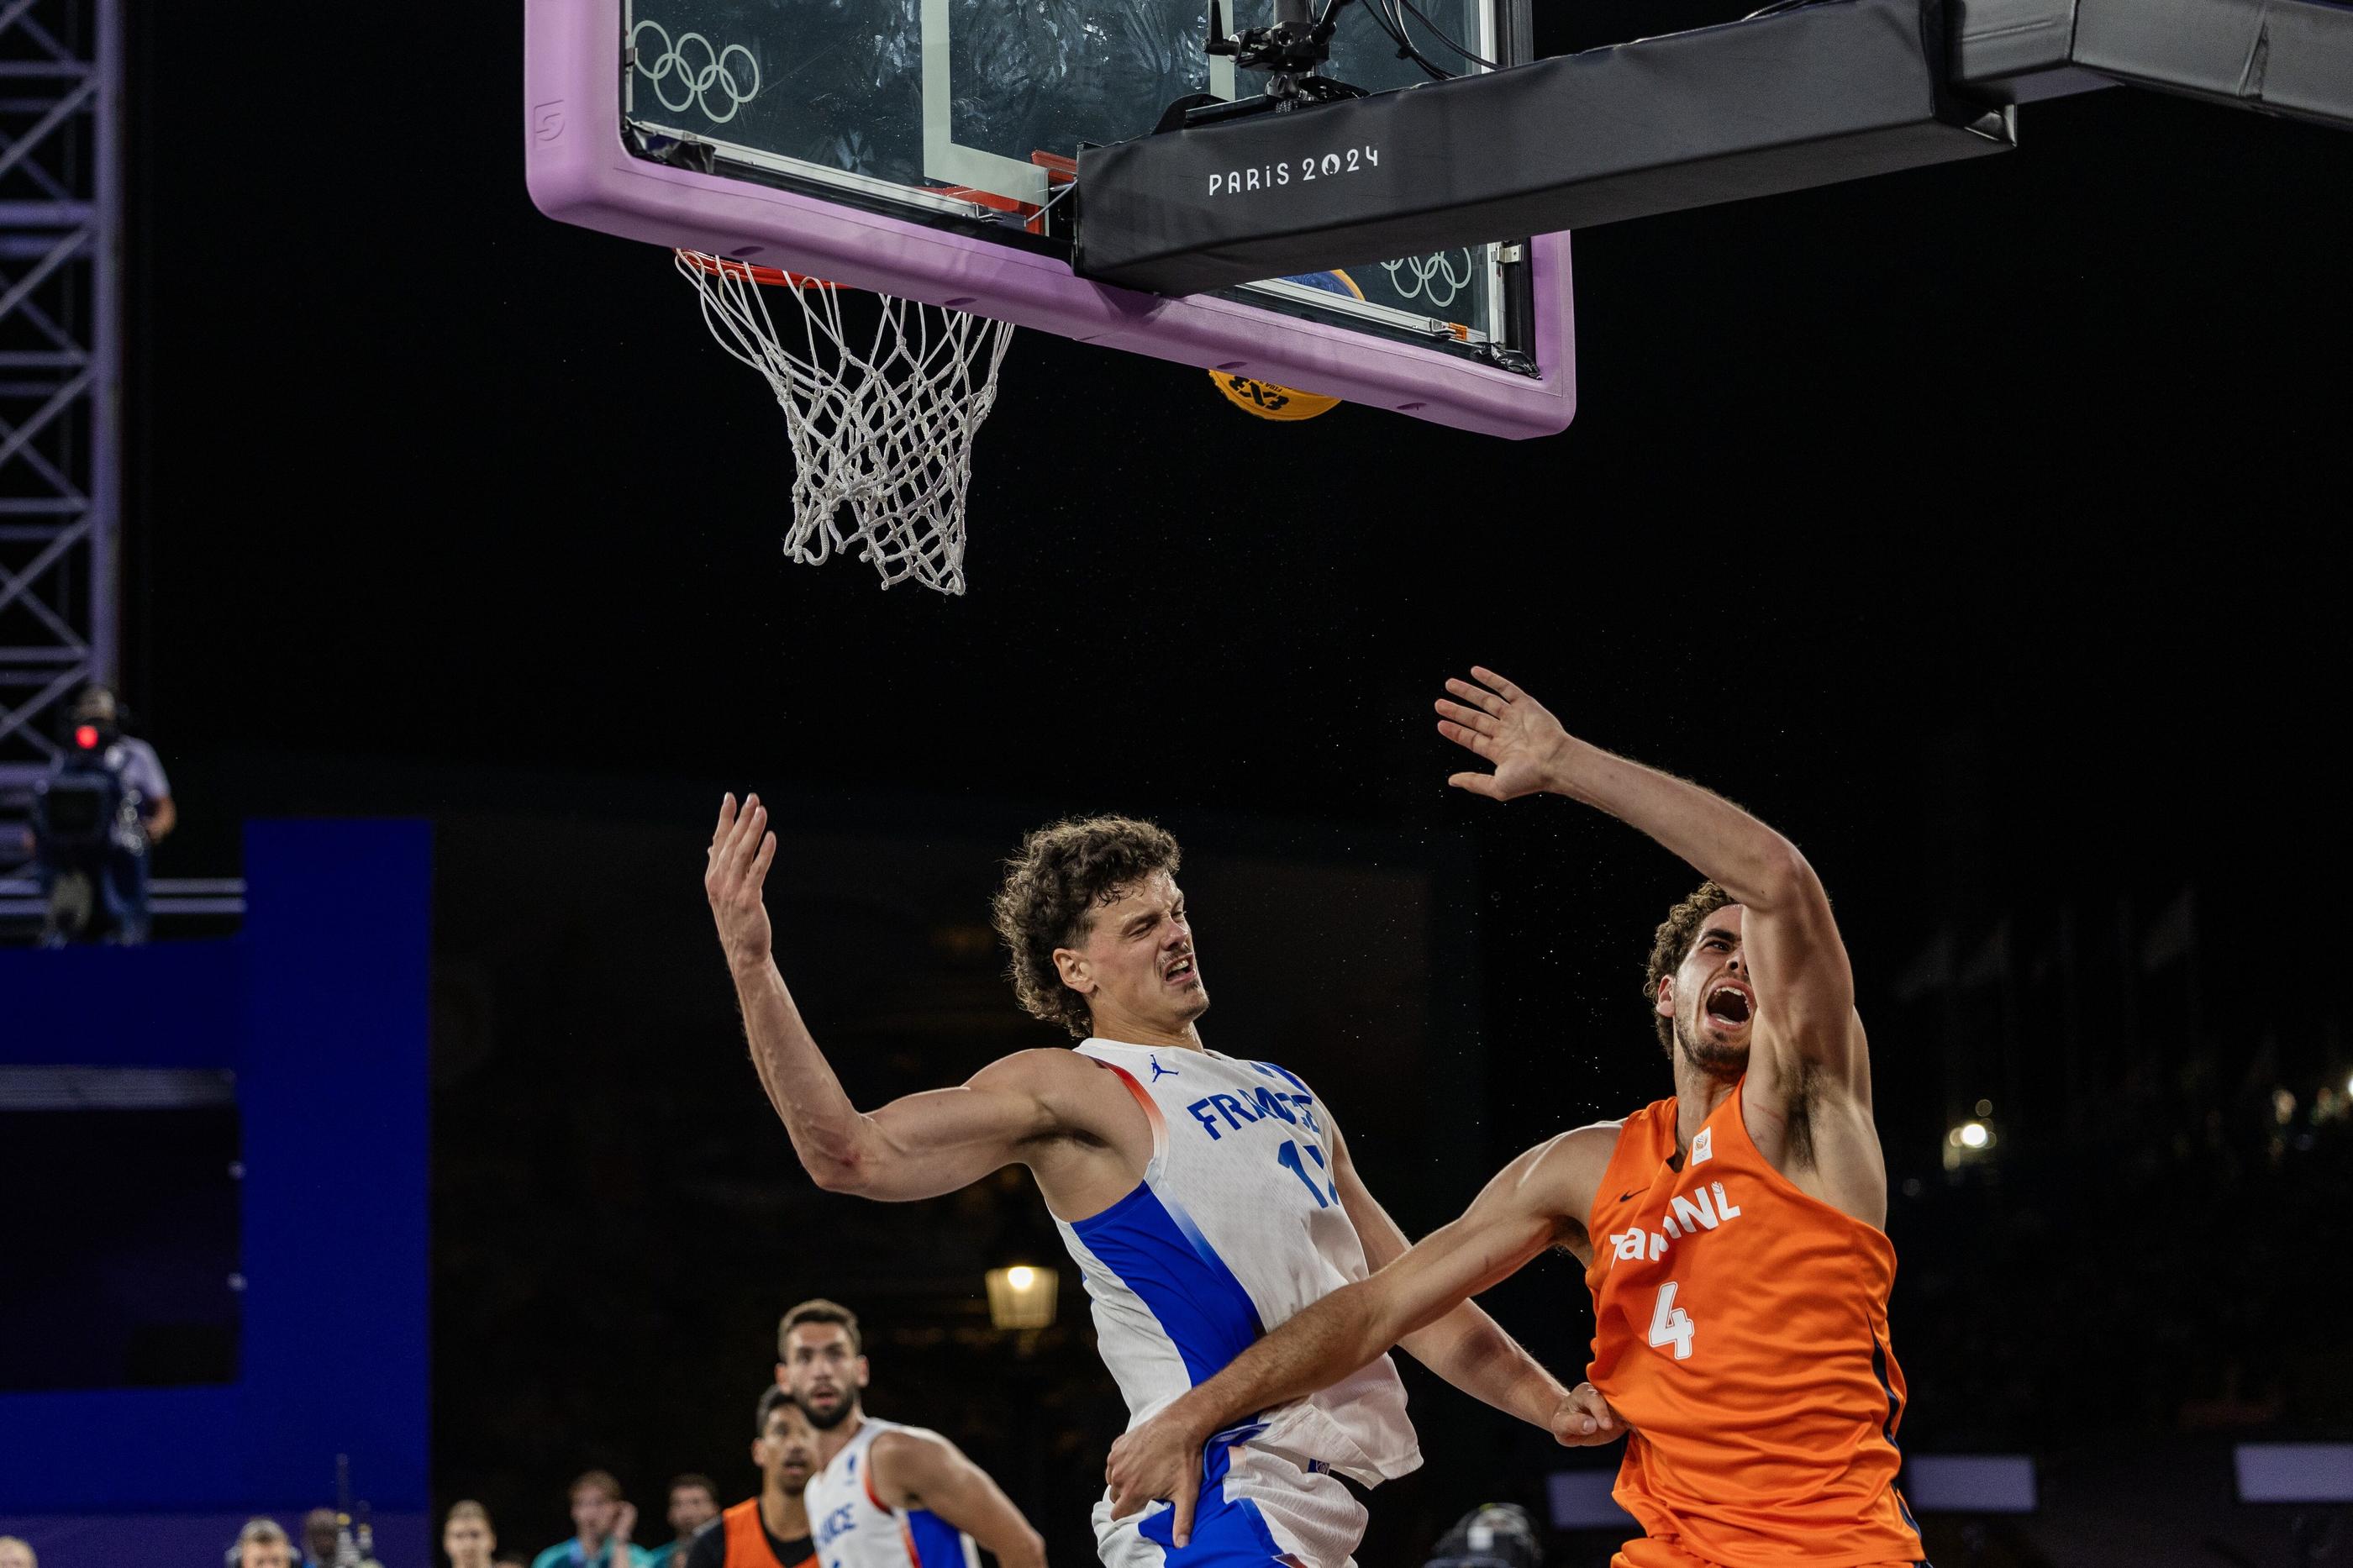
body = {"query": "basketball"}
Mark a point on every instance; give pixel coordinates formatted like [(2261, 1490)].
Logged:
[(1271, 402)]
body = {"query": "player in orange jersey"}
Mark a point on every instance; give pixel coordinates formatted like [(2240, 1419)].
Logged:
[(1731, 1235), (770, 1529)]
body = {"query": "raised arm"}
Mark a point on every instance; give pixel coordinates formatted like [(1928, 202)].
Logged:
[(918, 1147), (923, 1469), (1791, 944), (1534, 1204), (1464, 1346)]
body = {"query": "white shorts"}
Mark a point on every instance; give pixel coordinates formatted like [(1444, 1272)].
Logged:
[(1256, 1507)]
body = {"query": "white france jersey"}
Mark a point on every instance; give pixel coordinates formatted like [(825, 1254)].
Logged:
[(853, 1530), (1236, 1226)]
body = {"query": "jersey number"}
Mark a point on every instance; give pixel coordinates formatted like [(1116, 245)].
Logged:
[(1288, 1155), (1670, 1324)]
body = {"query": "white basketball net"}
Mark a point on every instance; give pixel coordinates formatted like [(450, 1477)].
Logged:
[(881, 434)]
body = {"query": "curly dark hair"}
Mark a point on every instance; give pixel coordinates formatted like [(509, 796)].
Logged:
[(1054, 885), (1672, 943)]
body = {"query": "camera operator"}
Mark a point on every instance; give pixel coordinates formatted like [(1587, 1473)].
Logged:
[(104, 804)]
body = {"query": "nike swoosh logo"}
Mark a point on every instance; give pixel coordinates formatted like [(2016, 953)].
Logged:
[(1630, 1197)]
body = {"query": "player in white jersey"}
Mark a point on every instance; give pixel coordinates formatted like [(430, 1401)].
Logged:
[(1205, 1199), (884, 1494)]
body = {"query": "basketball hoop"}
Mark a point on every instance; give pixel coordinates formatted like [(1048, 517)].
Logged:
[(881, 433)]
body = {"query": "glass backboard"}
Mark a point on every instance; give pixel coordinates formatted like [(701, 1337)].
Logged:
[(924, 148)]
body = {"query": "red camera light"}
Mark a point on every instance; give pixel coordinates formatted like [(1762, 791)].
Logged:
[(86, 736)]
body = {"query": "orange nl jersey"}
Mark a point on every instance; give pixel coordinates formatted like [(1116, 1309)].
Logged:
[(1741, 1329)]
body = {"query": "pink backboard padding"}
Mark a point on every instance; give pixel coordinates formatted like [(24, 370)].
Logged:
[(579, 173)]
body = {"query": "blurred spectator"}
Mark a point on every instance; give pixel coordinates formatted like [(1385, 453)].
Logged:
[(322, 1543), (15, 1554), (1492, 1535), (262, 1544), (601, 1522), (319, 1538), (510, 1560), (103, 806), (693, 1503), (467, 1536)]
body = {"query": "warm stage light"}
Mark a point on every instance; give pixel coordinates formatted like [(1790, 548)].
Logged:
[(1965, 1143), (1021, 1297)]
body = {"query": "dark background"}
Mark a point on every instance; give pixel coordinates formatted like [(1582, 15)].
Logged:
[(1979, 527)]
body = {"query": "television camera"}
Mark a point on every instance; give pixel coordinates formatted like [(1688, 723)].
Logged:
[(89, 842)]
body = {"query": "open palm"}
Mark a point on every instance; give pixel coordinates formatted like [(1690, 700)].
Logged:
[(734, 870), (1507, 728)]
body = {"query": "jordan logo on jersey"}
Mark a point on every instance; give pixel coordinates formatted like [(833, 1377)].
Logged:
[(1686, 1215), (1159, 1072)]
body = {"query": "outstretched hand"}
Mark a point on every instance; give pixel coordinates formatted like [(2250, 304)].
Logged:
[(1160, 1461), (1585, 1419), (734, 873), (1506, 727)]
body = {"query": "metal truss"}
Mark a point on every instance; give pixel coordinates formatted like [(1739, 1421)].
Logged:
[(21, 901), (60, 357)]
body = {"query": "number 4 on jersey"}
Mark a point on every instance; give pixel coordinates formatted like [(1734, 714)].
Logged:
[(1670, 1324)]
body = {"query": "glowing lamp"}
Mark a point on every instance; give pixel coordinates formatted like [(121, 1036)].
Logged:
[(1967, 1142), (1021, 1297)]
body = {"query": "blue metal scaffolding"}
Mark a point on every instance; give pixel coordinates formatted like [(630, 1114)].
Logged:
[(61, 73)]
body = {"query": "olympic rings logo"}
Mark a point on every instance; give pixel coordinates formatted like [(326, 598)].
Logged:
[(1433, 277), (698, 84)]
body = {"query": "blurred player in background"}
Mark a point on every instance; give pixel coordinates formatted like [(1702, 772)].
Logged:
[(884, 1494), (771, 1529)]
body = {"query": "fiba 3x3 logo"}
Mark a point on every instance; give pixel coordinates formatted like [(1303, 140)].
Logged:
[(1268, 400)]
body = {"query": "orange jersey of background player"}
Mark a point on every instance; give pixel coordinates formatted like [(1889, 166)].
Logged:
[(1741, 1332)]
